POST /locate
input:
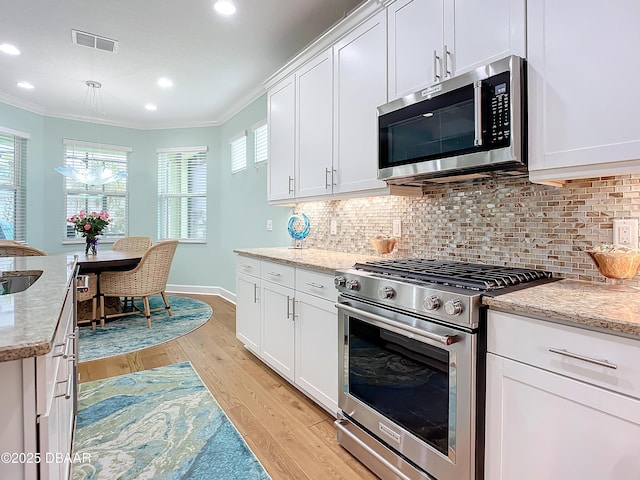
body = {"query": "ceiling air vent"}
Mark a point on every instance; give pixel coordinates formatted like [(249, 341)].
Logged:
[(94, 41)]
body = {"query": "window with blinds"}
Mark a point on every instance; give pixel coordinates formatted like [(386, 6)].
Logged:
[(111, 197), (13, 185), (238, 152), (182, 193), (261, 143)]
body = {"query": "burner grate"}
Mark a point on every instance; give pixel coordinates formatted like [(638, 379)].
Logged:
[(466, 275)]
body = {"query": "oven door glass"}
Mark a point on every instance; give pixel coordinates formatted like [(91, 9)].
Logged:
[(405, 380)]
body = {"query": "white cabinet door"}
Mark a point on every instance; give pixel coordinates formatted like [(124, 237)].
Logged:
[(281, 118), (415, 39), (278, 328), (317, 342), (360, 73), (314, 87), (248, 311), (583, 78), (478, 33), (544, 425)]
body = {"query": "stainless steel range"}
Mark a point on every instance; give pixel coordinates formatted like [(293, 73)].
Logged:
[(412, 402)]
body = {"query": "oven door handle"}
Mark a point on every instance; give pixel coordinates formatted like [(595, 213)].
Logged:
[(444, 339)]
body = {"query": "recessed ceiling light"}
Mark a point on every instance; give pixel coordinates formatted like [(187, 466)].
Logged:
[(224, 7), (26, 85), (9, 49), (151, 107), (164, 82)]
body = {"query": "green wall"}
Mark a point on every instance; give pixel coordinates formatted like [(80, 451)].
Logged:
[(237, 206)]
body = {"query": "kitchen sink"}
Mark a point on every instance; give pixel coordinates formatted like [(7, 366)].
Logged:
[(17, 281)]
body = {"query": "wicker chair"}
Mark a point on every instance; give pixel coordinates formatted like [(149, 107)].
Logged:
[(8, 249), (132, 243), (90, 294), (148, 278)]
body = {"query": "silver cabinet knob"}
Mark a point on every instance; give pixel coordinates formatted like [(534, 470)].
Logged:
[(453, 307), (386, 292), (353, 285), (432, 303), (340, 281)]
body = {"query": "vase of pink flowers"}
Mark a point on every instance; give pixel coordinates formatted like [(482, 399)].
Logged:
[(90, 225)]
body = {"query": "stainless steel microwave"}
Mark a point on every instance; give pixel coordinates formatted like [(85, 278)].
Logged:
[(466, 127)]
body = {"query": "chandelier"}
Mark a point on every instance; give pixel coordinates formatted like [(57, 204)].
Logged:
[(97, 175)]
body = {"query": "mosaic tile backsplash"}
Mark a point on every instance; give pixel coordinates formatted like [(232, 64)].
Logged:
[(508, 222)]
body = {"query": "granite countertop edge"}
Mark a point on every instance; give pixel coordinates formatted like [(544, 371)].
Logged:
[(324, 261), (578, 303), (29, 319)]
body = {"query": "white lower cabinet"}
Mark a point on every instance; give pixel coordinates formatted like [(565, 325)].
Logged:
[(316, 359), (278, 328), (554, 416), (38, 408), (287, 318)]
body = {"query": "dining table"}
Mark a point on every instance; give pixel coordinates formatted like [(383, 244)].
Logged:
[(103, 261), (106, 260)]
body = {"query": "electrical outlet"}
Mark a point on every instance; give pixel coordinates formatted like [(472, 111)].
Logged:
[(625, 232), (269, 225), (397, 228), (333, 227)]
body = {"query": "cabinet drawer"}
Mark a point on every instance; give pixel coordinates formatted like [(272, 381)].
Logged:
[(316, 283), (278, 273), (248, 265), (555, 347)]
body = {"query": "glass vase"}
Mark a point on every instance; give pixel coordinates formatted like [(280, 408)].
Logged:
[(91, 247)]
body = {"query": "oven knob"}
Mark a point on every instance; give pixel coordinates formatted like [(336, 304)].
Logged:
[(353, 285), (386, 292), (453, 307), (432, 303), (340, 281)]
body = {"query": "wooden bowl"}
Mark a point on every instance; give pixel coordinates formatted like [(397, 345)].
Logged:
[(618, 265), (384, 245)]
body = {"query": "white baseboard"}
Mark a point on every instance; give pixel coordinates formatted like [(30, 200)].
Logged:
[(202, 290)]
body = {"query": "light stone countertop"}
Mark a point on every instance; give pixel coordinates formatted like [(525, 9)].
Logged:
[(29, 319), (609, 308), (312, 258)]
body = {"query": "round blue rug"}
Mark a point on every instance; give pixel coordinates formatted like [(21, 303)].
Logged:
[(130, 333)]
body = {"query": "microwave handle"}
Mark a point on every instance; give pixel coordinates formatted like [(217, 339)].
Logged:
[(477, 111)]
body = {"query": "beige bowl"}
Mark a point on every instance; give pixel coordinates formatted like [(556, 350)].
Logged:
[(619, 265), (384, 245)]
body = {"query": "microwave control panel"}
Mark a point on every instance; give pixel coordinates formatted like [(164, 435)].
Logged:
[(498, 100)]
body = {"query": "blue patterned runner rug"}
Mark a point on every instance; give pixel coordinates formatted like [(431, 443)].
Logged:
[(160, 424)]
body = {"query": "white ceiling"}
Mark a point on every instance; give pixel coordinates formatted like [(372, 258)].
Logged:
[(217, 64)]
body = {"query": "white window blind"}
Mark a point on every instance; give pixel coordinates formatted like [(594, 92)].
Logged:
[(238, 152), (111, 197), (261, 143), (13, 187), (182, 193)]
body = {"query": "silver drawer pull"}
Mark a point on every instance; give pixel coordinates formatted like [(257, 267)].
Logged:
[(248, 267), (273, 274), (69, 382), (316, 285), (602, 363)]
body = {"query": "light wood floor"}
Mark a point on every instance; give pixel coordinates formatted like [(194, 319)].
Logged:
[(291, 436)]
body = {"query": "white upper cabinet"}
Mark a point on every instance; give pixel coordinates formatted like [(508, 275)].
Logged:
[(432, 40), (583, 74), (360, 72), (281, 117), (314, 94), (415, 33)]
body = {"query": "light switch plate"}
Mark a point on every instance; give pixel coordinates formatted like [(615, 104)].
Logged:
[(333, 226), (269, 225), (397, 228), (625, 232)]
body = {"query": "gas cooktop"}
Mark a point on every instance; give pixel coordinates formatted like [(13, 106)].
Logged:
[(473, 276)]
